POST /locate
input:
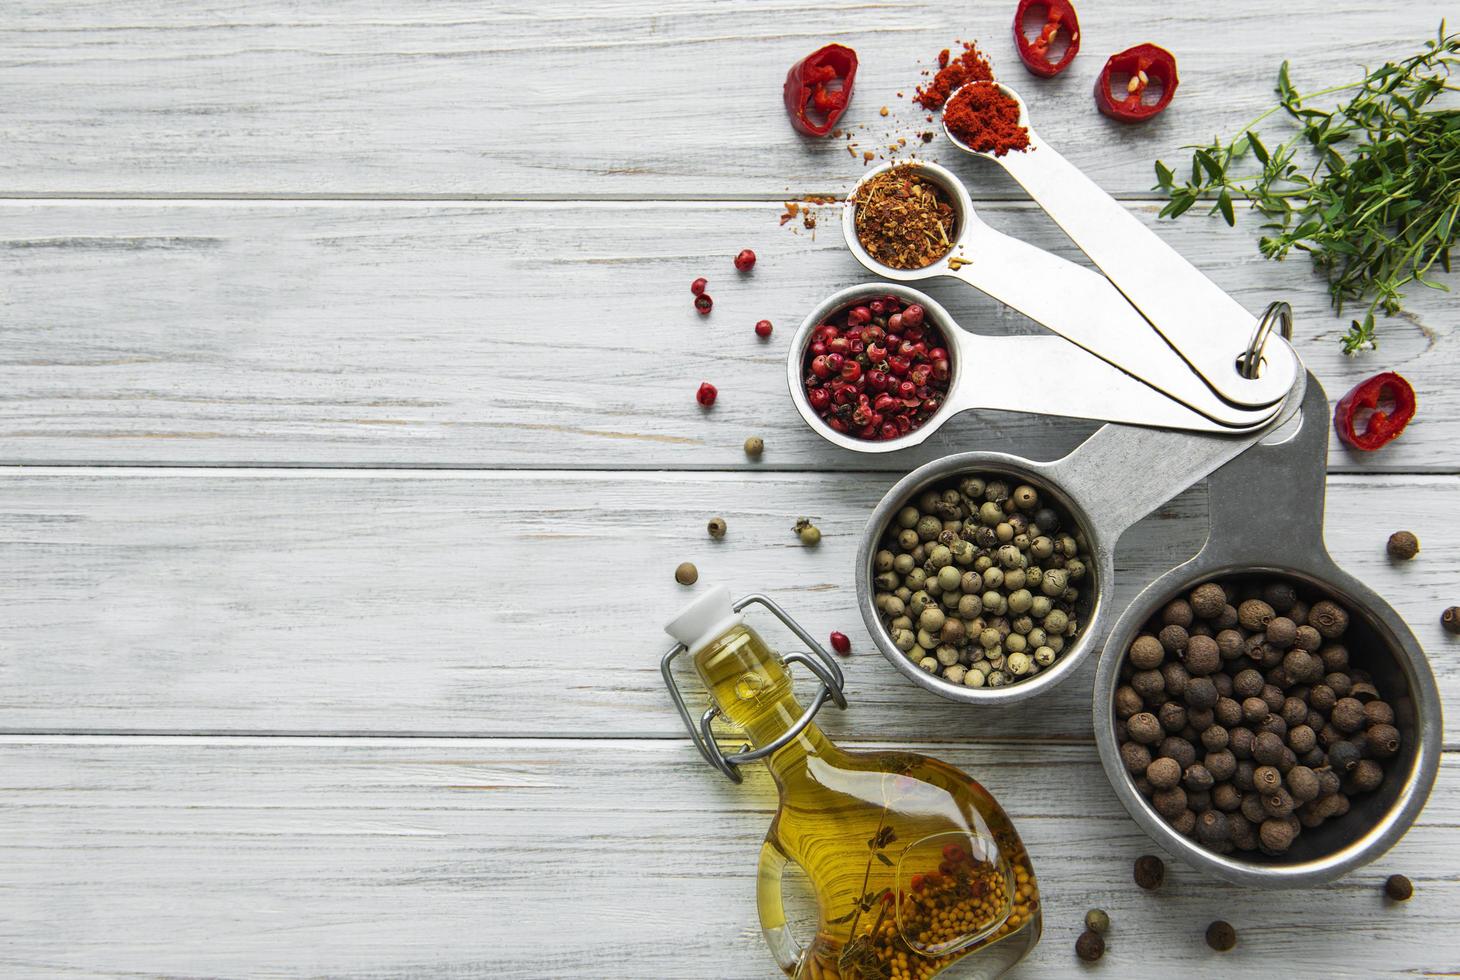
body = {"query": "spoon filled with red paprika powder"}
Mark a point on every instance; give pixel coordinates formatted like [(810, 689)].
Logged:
[(1205, 326)]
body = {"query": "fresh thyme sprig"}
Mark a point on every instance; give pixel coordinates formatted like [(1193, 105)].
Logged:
[(1373, 221)]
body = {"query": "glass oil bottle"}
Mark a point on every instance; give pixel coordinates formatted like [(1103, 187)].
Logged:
[(917, 870)]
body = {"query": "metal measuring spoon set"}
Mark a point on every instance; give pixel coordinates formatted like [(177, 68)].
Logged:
[(1193, 386)]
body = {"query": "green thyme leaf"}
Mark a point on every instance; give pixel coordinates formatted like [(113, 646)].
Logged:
[(1375, 217)]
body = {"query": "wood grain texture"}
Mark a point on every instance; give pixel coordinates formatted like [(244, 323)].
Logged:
[(462, 249), (507, 603), (193, 857), (629, 98), (548, 335)]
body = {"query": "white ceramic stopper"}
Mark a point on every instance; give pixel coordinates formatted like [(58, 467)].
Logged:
[(704, 619)]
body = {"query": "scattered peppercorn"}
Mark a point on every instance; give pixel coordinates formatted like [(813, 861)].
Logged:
[(686, 573), (1090, 946), (704, 303), (1150, 872), (754, 446), (1450, 619), (1097, 921), (706, 394), (763, 329), (698, 286), (745, 260), (809, 533), (841, 643), (1398, 888), (716, 527), (1221, 936), (1403, 545)]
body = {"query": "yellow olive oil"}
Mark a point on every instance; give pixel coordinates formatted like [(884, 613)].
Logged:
[(916, 869)]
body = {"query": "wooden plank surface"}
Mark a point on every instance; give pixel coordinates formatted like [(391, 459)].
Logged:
[(197, 857), (345, 390), (634, 98), (518, 335), (506, 603)]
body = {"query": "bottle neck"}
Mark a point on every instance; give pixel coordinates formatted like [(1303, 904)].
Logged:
[(752, 689)]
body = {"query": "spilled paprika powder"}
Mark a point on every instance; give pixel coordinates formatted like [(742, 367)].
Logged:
[(985, 120), (970, 66)]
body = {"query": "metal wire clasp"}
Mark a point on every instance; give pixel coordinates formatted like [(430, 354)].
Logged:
[(822, 665)]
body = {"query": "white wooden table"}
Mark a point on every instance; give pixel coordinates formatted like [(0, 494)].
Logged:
[(348, 438)]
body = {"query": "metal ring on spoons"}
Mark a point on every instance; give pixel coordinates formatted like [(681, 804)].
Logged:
[(1093, 389), (1077, 303), (1203, 323)]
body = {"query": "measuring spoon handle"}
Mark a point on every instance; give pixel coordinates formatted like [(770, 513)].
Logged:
[(1047, 376), (1082, 306), (1206, 326), (1121, 473)]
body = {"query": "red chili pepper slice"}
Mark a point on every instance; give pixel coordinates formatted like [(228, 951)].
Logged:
[(1383, 427), (1059, 16), (1142, 63), (808, 87)]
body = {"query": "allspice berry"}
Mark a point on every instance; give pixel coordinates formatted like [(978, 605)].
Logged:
[(1203, 656), (1146, 653), (1135, 757), (1221, 936), (1212, 827), (1097, 921), (754, 446), (1150, 872), (1450, 619), (1328, 618), (1254, 614), (1090, 946), (1144, 728), (686, 573), (1208, 600), (1403, 545), (716, 527), (1164, 773), (1277, 834), (1398, 888)]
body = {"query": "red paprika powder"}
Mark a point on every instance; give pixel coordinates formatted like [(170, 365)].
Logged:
[(970, 66), (985, 119)]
